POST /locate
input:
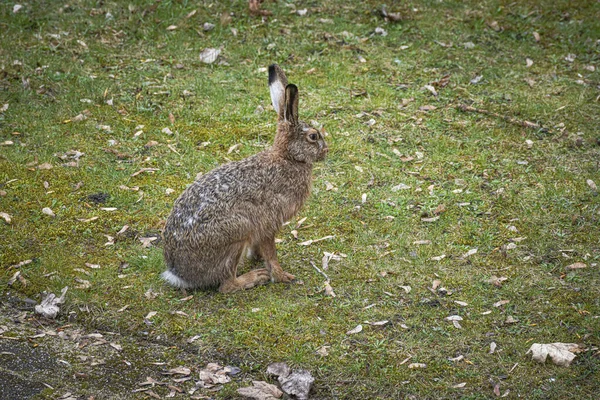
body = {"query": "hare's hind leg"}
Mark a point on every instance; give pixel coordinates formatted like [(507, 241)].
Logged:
[(269, 254), (245, 281)]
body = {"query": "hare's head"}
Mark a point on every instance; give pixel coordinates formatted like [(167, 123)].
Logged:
[(296, 139)]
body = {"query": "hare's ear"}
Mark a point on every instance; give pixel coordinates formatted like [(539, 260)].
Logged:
[(291, 104), (277, 84)]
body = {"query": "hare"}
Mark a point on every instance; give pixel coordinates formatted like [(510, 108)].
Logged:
[(239, 207)]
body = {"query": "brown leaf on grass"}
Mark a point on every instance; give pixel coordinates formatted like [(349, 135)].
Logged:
[(497, 389), (213, 374), (261, 390), (536, 36), (147, 241), (417, 365), (20, 264), (254, 6), (45, 166), (431, 89), (178, 371), (560, 353), (427, 108), (83, 284), (329, 290), (435, 284), (577, 265), (530, 82), (501, 303), (494, 26), (497, 281), (323, 351), (439, 209), (144, 170), (591, 184)]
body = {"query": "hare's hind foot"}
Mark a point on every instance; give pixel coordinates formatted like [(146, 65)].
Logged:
[(246, 281)]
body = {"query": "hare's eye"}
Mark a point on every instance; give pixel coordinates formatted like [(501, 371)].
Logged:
[(313, 137)]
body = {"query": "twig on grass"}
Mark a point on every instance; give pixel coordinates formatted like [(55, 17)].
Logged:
[(319, 271), (523, 123)]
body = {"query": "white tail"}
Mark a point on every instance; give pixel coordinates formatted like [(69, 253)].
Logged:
[(174, 280)]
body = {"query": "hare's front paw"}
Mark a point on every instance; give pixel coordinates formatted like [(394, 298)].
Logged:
[(283, 277)]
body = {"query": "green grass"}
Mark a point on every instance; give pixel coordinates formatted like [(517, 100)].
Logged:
[(133, 60)]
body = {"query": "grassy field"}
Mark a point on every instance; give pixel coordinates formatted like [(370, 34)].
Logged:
[(427, 202)]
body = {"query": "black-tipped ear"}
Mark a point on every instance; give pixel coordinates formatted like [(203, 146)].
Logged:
[(272, 73), (291, 104), (277, 84)]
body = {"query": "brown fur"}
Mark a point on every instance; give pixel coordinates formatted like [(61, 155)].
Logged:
[(240, 206)]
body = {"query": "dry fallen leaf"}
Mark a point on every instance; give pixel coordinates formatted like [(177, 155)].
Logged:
[(501, 303), (178, 371), (560, 353), (536, 36), (144, 170), (469, 253), (329, 290), (497, 281), (494, 25), (209, 56), (358, 329), (309, 242), (147, 241), (592, 184), (323, 351), (49, 306), (213, 374), (417, 365), (45, 166), (431, 89), (421, 242), (6, 217), (459, 385), (261, 391), (48, 211), (577, 265)]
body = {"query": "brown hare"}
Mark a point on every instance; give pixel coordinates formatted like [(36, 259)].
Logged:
[(239, 207)]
